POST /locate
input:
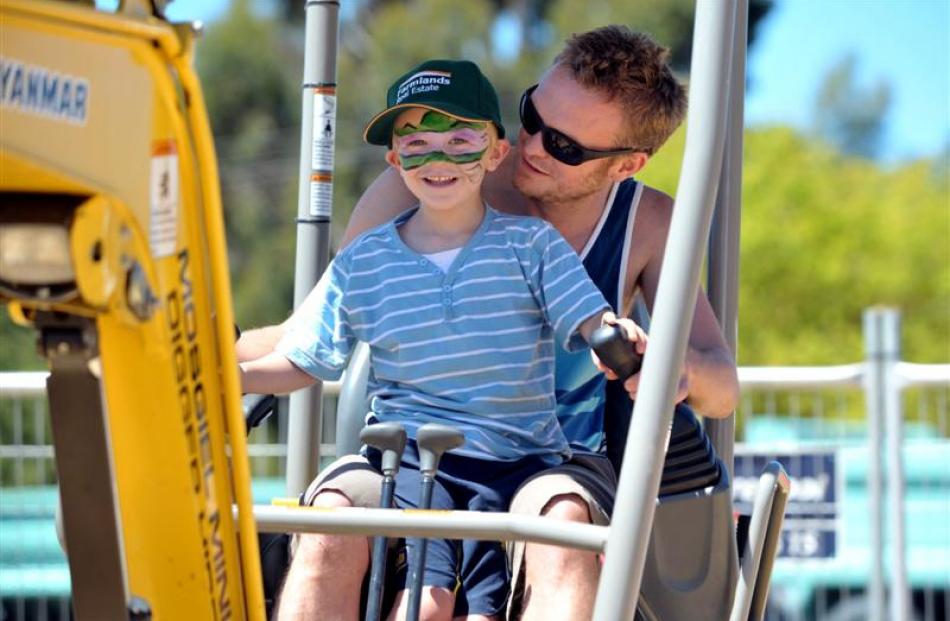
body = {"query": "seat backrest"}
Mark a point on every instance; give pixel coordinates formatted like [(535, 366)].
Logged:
[(352, 404)]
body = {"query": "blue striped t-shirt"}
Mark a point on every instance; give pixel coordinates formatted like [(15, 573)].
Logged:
[(472, 347)]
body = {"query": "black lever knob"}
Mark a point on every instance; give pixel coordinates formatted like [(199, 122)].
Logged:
[(615, 350)]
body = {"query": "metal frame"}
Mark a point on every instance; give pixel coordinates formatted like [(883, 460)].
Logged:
[(714, 64), (314, 206), (672, 313), (723, 257)]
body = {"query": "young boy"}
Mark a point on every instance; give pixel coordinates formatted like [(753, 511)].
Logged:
[(461, 306)]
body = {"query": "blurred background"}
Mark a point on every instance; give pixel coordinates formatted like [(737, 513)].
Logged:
[(846, 205), (845, 200)]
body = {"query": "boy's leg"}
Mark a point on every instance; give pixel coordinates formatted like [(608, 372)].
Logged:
[(326, 574), (551, 582)]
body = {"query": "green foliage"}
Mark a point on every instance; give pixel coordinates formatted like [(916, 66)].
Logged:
[(17, 347), (826, 235), (850, 116), (254, 105), (668, 21)]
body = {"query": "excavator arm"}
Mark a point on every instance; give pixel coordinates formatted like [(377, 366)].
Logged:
[(112, 247)]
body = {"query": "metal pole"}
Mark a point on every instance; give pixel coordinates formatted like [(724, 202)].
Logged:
[(314, 206), (899, 599), (619, 584), (874, 401), (723, 259)]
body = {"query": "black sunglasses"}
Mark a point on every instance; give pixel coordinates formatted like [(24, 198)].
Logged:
[(558, 145)]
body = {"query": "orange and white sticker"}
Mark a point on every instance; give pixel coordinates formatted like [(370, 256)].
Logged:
[(321, 194), (163, 199)]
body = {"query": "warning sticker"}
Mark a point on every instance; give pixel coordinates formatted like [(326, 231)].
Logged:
[(163, 199), (321, 195), (324, 128)]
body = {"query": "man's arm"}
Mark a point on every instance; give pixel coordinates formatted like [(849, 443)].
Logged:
[(710, 378), (383, 200)]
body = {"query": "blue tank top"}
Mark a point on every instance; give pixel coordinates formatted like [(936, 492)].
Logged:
[(580, 389)]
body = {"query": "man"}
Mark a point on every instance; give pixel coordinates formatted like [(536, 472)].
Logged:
[(608, 102)]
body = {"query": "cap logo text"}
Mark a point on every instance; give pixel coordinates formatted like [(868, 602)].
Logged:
[(423, 82)]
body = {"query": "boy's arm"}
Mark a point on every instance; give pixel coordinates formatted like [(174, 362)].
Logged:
[(259, 342), (273, 373)]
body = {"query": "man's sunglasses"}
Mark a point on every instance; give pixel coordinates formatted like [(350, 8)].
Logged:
[(558, 145)]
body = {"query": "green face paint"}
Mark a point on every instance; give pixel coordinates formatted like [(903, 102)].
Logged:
[(440, 138)]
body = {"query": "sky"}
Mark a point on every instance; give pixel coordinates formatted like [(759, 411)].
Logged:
[(901, 42)]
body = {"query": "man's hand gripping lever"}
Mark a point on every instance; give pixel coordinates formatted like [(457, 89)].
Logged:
[(390, 440), (433, 440)]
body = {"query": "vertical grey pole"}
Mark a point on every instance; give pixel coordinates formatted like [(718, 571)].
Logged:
[(899, 599), (314, 205), (723, 261), (874, 401), (627, 543)]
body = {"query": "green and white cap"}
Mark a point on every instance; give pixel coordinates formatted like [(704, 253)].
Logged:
[(454, 87)]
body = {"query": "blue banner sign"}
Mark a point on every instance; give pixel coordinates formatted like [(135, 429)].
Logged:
[(812, 515)]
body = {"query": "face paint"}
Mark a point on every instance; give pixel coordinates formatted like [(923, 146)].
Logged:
[(440, 138)]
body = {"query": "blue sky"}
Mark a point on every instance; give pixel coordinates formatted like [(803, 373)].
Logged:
[(902, 42)]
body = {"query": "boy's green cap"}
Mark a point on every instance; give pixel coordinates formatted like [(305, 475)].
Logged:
[(453, 87)]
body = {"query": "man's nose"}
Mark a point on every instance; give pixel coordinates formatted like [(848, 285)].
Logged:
[(531, 144)]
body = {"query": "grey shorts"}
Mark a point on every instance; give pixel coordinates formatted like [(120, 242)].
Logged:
[(587, 475), (353, 477)]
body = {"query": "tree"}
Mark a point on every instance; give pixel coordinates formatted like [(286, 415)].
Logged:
[(670, 22), (826, 235), (254, 106), (849, 116)]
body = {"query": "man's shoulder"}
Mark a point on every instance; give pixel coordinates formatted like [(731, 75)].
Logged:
[(653, 213)]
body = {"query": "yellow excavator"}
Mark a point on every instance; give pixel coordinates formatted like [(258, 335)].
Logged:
[(112, 248)]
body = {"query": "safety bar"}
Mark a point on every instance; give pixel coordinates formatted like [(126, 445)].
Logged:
[(420, 523), (672, 314), (768, 513)]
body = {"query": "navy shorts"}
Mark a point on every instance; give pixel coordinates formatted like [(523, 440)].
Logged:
[(477, 571)]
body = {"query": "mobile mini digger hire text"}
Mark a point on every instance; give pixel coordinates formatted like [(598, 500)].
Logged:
[(113, 248)]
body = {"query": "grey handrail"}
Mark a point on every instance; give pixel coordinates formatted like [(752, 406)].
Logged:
[(649, 430), (722, 279), (314, 207)]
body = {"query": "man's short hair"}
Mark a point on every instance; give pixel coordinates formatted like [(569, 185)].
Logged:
[(631, 69)]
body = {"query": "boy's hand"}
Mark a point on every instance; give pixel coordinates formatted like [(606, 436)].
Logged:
[(635, 334), (639, 339)]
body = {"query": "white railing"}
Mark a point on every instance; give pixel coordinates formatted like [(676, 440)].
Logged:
[(833, 403)]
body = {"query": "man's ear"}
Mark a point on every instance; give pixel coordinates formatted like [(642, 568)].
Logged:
[(497, 154), (628, 165)]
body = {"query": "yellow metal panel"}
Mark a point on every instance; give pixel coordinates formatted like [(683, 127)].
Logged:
[(169, 378)]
